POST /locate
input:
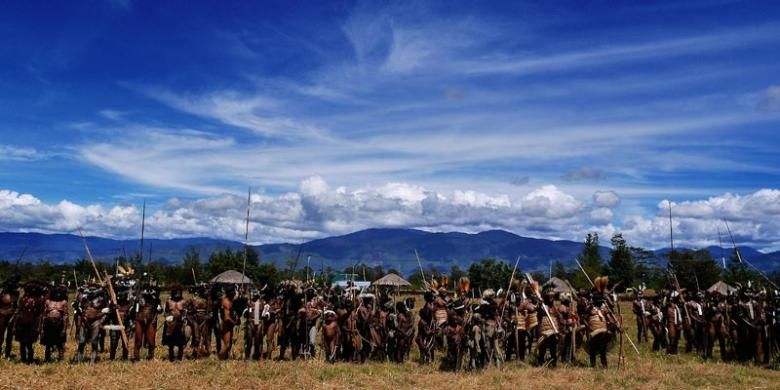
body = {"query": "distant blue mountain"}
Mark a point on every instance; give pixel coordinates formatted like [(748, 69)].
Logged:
[(394, 248), (390, 248), (66, 248)]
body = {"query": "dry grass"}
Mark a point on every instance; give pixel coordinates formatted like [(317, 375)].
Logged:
[(649, 371)]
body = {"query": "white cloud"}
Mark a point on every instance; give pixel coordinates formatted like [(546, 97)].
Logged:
[(608, 199), (319, 210), (24, 212), (550, 202), (16, 153), (261, 114), (601, 216)]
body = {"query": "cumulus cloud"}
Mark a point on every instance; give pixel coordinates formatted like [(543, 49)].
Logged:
[(601, 216), (607, 199), (315, 210), (753, 218), (318, 210), (24, 212)]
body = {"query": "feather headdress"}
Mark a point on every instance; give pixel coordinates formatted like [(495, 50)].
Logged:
[(464, 284)]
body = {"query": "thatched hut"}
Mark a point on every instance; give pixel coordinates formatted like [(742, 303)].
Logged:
[(560, 285), (722, 288), (392, 280), (231, 277)]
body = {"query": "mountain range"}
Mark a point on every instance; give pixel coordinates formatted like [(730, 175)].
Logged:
[(390, 248)]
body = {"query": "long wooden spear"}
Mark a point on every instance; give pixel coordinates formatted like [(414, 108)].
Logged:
[(741, 260), (89, 255), (422, 273), (511, 279), (143, 227), (671, 227), (246, 239), (722, 252), (544, 306), (18, 259)]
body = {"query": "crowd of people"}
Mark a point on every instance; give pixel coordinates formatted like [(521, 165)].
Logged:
[(471, 329)]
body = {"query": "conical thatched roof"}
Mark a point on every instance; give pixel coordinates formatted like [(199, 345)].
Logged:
[(722, 288), (230, 277), (560, 285), (391, 280)]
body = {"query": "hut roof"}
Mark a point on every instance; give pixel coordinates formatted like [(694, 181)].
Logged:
[(231, 277), (722, 288), (560, 285), (391, 280)]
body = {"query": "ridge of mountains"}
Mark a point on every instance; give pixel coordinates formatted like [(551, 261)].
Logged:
[(390, 248)]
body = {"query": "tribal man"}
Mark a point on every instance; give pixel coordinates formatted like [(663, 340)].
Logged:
[(145, 311), (549, 328), (9, 299), (175, 328), (229, 319)]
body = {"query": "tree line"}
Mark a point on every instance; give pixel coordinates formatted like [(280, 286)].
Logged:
[(630, 266)]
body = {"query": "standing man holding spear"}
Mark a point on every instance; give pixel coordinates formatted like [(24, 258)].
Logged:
[(548, 334), (608, 308), (111, 293)]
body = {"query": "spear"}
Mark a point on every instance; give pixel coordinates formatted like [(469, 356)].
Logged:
[(143, 227), (246, 239), (511, 279), (297, 258), (422, 273), (671, 227), (736, 248), (539, 296), (89, 255), (308, 263), (18, 259), (741, 260), (722, 253)]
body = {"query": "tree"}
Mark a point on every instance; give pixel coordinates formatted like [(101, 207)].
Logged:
[(647, 270), (621, 266), (739, 272), (416, 280), (559, 271), (191, 263), (694, 268), (489, 273), (591, 261), (456, 273), (228, 259)]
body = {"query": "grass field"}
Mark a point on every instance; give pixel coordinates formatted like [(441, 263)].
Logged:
[(648, 371)]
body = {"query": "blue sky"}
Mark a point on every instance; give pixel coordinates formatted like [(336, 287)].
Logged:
[(546, 119)]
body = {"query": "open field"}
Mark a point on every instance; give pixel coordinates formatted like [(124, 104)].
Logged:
[(650, 371)]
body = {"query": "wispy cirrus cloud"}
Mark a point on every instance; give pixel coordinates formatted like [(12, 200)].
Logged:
[(260, 114), (17, 153)]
